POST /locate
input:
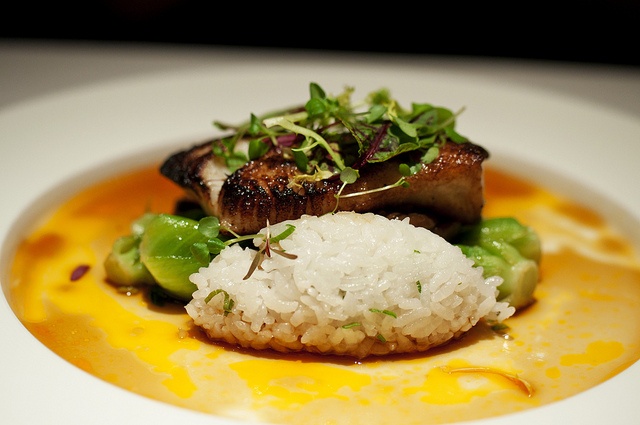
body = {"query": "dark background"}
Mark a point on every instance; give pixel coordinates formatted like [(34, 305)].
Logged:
[(592, 31)]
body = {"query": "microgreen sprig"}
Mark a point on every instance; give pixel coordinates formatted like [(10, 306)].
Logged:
[(329, 136), (268, 246), (288, 123), (210, 227)]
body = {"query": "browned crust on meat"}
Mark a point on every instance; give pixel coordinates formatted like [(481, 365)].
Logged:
[(449, 189), (187, 169), (260, 191)]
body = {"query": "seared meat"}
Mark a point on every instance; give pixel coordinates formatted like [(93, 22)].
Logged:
[(447, 191)]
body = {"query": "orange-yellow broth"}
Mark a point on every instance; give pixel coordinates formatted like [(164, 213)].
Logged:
[(583, 328)]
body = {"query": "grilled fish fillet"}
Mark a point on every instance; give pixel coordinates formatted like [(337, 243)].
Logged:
[(445, 192)]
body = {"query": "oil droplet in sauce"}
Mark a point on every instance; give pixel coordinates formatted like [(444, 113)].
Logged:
[(583, 328)]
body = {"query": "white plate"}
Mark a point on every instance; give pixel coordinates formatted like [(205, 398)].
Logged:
[(71, 140)]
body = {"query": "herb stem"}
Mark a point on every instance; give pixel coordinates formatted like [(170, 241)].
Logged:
[(400, 182), (287, 122)]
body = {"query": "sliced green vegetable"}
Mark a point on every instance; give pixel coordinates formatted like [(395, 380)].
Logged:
[(504, 247), (520, 274), (505, 229), (167, 250), (164, 250), (123, 265)]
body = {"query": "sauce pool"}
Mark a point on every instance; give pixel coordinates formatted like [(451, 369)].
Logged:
[(583, 328)]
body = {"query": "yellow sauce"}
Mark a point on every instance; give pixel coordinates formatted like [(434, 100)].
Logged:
[(583, 329)]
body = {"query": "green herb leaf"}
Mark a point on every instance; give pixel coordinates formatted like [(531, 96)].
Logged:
[(215, 246), (285, 233), (351, 325), (333, 134), (257, 148), (349, 175), (209, 226), (387, 312), (200, 252), (255, 126), (227, 304)]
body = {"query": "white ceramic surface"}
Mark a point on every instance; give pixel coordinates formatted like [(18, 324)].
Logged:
[(52, 146)]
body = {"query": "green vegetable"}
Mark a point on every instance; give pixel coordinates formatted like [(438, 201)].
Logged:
[(123, 265), (162, 249), (505, 229), (169, 250), (504, 247), (165, 249)]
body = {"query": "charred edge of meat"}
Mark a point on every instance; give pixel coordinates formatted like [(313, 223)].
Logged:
[(183, 168), (443, 195)]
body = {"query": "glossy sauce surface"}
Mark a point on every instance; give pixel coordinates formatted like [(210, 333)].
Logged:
[(583, 328)]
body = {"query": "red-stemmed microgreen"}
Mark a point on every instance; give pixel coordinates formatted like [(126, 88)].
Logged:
[(331, 137)]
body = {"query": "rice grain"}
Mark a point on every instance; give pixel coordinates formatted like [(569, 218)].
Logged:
[(361, 285)]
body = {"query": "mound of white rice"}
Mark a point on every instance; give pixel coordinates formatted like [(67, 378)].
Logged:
[(361, 285)]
